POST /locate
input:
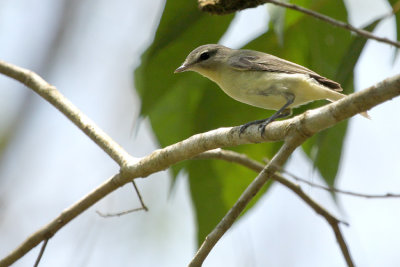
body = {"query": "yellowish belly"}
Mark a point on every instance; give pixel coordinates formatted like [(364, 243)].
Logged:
[(269, 90)]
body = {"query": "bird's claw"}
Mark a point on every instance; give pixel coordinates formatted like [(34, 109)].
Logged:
[(242, 129), (261, 128)]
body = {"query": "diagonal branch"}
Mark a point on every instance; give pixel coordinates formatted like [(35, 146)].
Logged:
[(227, 221), (228, 6), (304, 125), (54, 97), (41, 252), (257, 167)]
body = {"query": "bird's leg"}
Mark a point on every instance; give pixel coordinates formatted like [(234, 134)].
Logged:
[(281, 113), (277, 115)]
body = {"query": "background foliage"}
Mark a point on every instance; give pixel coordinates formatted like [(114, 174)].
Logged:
[(180, 106)]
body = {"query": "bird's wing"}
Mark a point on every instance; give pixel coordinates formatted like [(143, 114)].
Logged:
[(258, 61)]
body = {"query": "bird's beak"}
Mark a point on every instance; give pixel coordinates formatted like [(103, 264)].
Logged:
[(182, 68)]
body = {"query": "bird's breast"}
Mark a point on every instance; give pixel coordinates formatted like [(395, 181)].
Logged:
[(260, 89)]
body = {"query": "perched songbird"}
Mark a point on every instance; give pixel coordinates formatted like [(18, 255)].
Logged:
[(261, 80)]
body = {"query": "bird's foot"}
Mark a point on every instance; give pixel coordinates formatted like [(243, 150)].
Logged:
[(261, 126)]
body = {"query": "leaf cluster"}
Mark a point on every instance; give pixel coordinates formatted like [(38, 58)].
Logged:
[(180, 106)]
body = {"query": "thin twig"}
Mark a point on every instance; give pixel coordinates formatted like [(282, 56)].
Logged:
[(117, 214), (340, 191), (41, 252), (334, 22), (307, 124), (144, 207)]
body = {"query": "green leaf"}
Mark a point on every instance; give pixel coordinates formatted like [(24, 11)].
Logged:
[(333, 53), (175, 104), (182, 27), (215, 187), (325, 148), (179, 106), (330, 51), (344, 73), (396, 10), (320, 47)]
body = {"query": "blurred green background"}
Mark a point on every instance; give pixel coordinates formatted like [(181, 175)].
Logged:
[(180, 106)]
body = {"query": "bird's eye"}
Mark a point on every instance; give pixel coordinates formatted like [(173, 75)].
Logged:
[(204, 56)]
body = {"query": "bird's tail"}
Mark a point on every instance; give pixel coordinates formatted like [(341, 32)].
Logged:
[(334, 96)]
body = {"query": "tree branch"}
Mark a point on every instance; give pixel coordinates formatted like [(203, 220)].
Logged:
[(144, 207), (54, 97), (278, 160), (304, 125), (222, 7), (257, 167), (41, 252)]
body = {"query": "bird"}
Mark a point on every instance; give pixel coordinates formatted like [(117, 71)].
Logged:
[(261, 80)]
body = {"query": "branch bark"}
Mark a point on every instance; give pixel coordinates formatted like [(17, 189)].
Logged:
[(302, 126)]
